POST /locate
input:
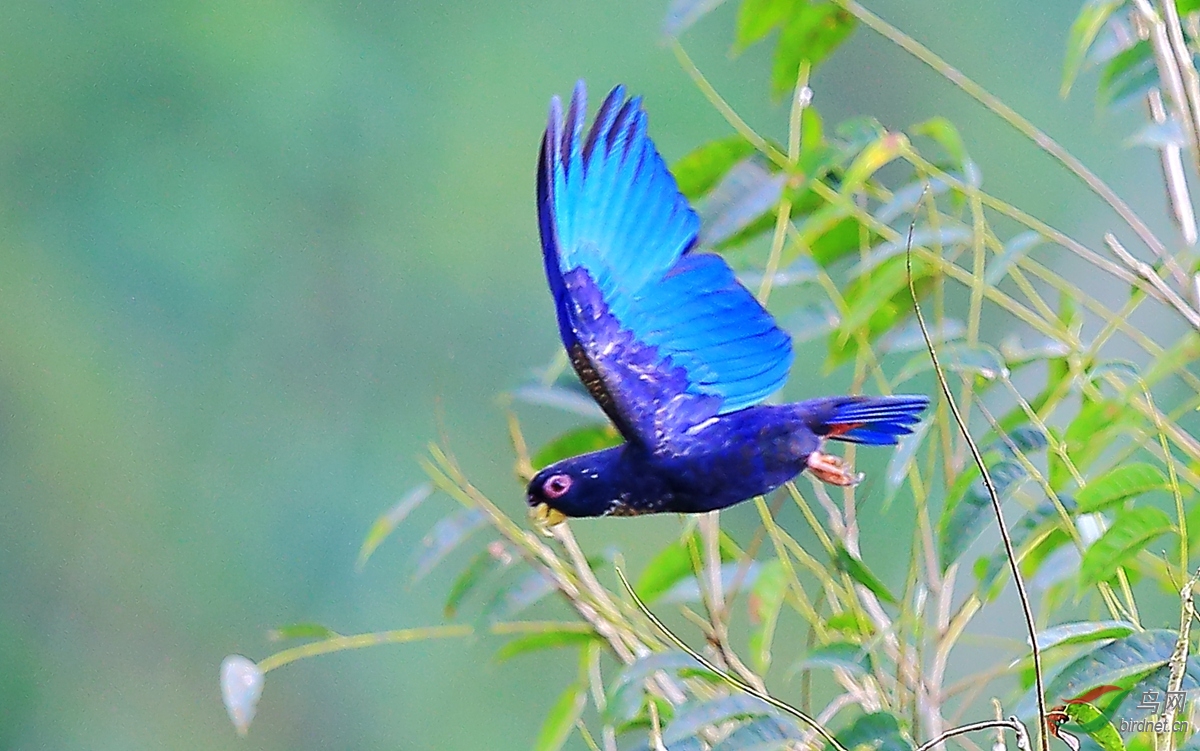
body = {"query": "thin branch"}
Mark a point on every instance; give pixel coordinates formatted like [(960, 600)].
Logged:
[(727, 677), (1010, 553)]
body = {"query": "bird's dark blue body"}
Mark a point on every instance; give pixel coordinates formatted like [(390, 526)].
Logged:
[(674, 349)]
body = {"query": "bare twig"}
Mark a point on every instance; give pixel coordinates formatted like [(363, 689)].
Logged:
[(1146, 271)]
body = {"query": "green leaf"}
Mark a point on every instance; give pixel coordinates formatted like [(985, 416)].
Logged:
[(1091, 721), (746, 192), (561, 719), (968, 508), (571, 635), (673, 564), (765, 602), (1082, 632), (1122, 663), (813, 32), (302, 631), (699, 171), (513, 599), (946, 135), (1017, 247), (878, 731), (1093, 430), (1130, 533), (859, 572), (672, 662), (764, 734), (876, 303), (1087, 25), (1118, 484), (756, 18), (575, 442), (391, 519), (484, 562), (691, 718), (450, 532), (845, 655), (1130, 74), (1187, 6), (1029, 532)]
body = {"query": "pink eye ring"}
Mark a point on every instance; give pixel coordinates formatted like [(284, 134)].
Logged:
[(556, 486)]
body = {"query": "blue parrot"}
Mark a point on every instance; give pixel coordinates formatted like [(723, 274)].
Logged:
[(674, 349)]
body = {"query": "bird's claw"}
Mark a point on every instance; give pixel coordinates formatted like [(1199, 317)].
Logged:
[(831, 469)]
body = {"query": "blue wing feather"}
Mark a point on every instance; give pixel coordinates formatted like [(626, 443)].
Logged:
[(613, 222)]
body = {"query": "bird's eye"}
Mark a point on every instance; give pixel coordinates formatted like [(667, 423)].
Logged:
[(556, 486)]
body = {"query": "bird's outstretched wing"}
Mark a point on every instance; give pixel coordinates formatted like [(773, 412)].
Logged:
[(663, 338)]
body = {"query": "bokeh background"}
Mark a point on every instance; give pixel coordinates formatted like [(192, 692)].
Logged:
[(250, 251)]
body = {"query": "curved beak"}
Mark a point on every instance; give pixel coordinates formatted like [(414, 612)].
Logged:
[(546, 516)]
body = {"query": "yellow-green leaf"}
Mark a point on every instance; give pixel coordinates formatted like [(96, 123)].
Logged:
[(1118, 484), (1083, 32), (1129, 534), (561, 719)]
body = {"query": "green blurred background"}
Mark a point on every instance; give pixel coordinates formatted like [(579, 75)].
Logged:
[(249, 252)]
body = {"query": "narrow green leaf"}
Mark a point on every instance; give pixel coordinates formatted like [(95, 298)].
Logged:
[(1131, 532), (859, 572), (814, 31), (765, 602), (1017, 247), (968, 509), (692, 718), (1119, 484), (1119, 663), (1082, 632), (845, 655), (568, 637), (561, 719), (575, 442), (1091, 721), (1087, 25), (476, 571), (764, 734), (876, 303), (746, 192), (515, 598), (450, 532), (1030, 530), (688, 589), (301, 631), (878, 731), (756, 18), (673, 564), (672, 662), (1130, 74), (946, 135), (391, 519), (699, 171)]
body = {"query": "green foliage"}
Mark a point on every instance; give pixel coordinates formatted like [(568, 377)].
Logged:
[(1077, 413)]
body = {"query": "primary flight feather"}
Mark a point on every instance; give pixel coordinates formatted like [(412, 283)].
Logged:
[(674, 349)]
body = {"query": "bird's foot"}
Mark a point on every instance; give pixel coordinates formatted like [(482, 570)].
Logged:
[(831, 469)]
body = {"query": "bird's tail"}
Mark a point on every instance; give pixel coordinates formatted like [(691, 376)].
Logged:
[(874, 420)]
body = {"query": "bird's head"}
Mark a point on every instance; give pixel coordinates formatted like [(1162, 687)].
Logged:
[(580, 486)]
